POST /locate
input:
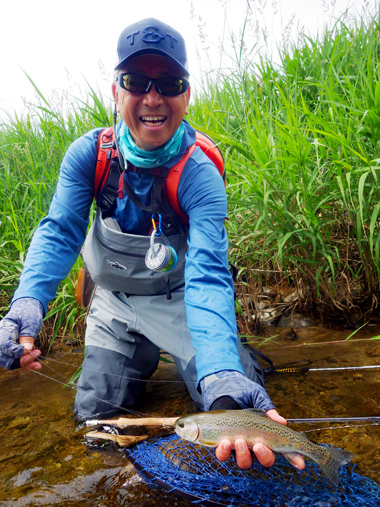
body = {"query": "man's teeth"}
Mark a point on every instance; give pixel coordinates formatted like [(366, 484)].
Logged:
[(153, 120)]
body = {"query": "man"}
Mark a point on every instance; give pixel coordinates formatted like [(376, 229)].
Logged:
[(188, 311)]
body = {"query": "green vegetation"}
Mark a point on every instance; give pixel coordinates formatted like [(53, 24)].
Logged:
[(32, 148), (302, 148), (301, 143)]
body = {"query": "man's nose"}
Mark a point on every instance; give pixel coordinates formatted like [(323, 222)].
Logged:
[(153, 98)]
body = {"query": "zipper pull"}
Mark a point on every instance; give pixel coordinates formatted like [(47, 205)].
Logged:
[(168, 292)]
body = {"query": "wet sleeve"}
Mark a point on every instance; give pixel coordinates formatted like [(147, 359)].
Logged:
[(209, 290), (58, 239)]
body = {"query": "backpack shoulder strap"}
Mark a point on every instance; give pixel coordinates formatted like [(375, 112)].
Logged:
[(171, 184), (105, 146), (209, 148), (207, 145), (107, 171)]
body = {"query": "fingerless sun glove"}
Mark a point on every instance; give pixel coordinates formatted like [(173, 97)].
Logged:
[(23, 319), (235, 385)]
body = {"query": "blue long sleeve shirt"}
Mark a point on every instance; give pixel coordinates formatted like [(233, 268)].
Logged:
[(209, 299)]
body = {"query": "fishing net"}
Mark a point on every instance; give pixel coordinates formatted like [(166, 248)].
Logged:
[(192, 471)]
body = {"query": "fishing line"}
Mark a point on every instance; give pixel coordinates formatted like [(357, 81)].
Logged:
[(131, 378), (327, 419), (277, 485), (50, 368), (73, 386), (339, 427), (133, 412), (273, 485), (114, 374), (306, 369), (55, 380), (38, 358), (295, 402), (335, 342)]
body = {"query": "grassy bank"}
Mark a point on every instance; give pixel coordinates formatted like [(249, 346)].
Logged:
[(302, 146), (301, 142)]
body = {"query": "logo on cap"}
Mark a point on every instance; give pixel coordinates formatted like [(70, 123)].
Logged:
[(152, 35)]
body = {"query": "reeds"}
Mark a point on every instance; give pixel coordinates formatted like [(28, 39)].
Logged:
[(302, 145)]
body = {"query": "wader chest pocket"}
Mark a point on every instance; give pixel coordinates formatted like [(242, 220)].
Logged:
[(116, 260)]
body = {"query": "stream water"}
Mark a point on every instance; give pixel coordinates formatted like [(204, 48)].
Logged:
[(45, 458)]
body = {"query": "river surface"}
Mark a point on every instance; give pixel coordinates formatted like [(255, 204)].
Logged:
[(46, 460)]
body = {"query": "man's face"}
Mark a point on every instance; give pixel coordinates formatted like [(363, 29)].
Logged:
[(151, 118)]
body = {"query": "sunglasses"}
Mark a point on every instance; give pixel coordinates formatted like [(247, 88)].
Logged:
[(169, 86)]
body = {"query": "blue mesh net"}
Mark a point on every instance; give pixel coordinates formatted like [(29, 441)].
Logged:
[(193, 472)]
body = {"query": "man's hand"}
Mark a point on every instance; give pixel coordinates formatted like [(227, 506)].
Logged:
[(235, 385), (28, 358), (18, 330), (233, 390), (262, 452)]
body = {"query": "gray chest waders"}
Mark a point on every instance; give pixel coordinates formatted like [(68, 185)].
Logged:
[(116, 261)]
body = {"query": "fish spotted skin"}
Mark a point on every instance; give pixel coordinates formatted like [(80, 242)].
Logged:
[(209, 428)]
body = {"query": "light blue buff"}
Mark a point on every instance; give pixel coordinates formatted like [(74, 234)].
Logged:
[(149, 159)]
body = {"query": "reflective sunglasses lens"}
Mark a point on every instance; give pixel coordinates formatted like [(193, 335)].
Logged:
[(172, 86), (134, 83), (167, 85)]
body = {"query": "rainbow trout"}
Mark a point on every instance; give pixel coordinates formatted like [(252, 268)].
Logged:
[(209, 428)]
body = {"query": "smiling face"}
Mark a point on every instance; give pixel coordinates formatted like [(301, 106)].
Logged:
[(152, 118)]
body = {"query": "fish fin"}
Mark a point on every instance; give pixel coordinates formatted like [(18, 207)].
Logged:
[(337, 457), (256, 411)]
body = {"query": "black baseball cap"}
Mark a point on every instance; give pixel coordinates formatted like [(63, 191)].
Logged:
[(152, 37)]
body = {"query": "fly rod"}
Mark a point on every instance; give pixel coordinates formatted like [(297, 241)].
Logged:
[(169, 421), (375, 418), (346, 368), (288, 368)]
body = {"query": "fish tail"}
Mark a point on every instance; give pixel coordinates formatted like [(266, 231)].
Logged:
[(334, 459)]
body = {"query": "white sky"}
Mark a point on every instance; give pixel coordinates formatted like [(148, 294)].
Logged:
[(60, 43)]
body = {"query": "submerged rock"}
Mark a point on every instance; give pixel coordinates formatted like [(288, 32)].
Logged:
[(296, 321), (267, 315)]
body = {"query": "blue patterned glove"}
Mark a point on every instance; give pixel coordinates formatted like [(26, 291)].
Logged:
[(23, 319), (244, 391)]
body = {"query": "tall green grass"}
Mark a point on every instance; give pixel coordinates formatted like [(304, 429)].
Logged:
[(32, 148), (301, 143)]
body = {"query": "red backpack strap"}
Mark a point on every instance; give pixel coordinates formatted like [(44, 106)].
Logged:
[(172, 181), (105, 153), (207, 145), (213, 152)]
